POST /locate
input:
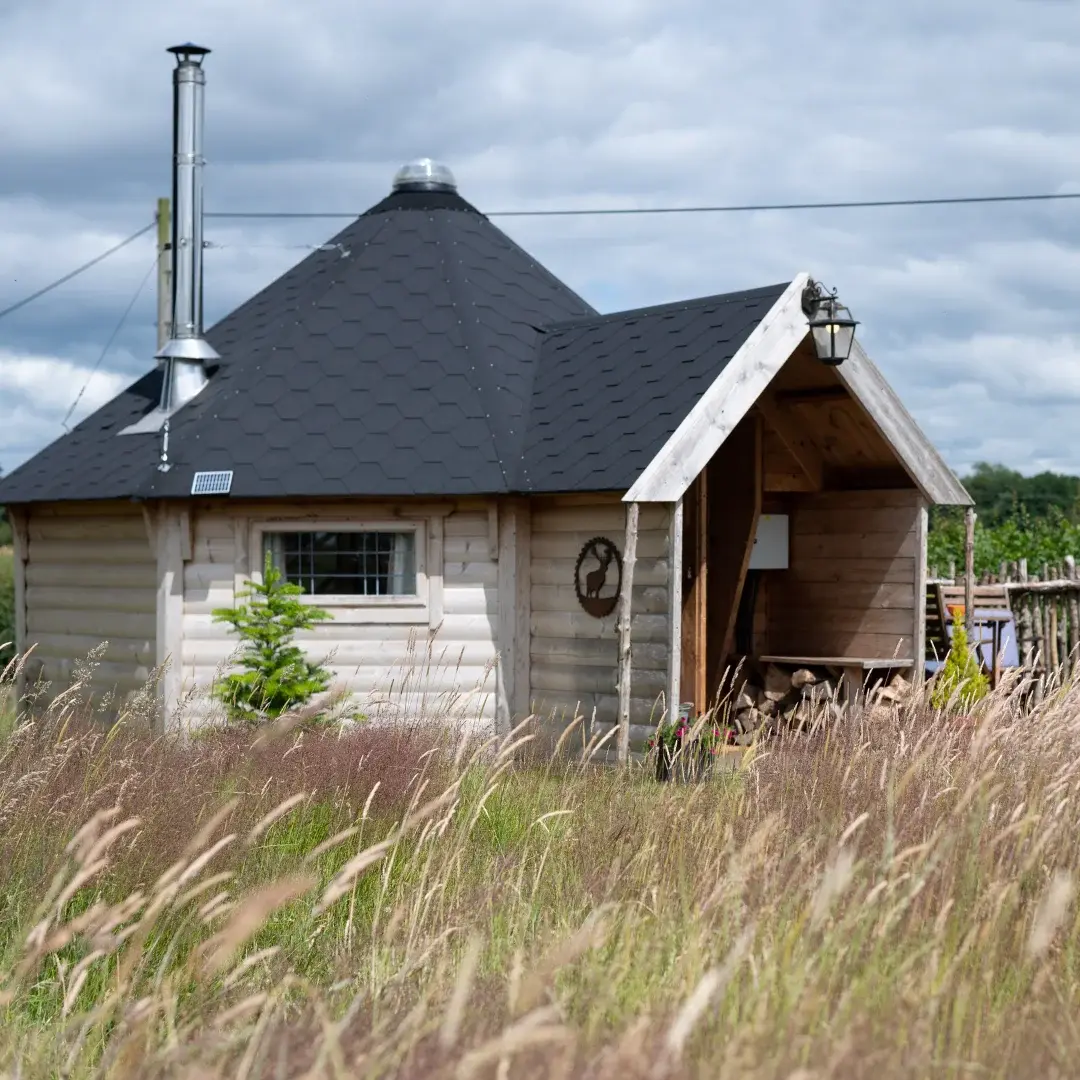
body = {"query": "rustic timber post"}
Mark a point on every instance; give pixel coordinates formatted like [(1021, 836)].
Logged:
[(675, 566), (1024, 629), (1074, 614), (969, 573), (629, 557), (164, 273), (919, 640)]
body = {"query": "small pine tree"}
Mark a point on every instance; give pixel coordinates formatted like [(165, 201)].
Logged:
[(275, 675), (960, 672)]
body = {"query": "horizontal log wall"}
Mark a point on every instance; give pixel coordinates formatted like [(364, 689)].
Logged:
[(90, 578), (850, 587), (573, 655), (392, 668)]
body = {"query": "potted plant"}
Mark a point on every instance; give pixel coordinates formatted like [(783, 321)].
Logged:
[(680, 748), (667, 742)]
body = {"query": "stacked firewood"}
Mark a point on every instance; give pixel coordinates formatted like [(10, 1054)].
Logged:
[(802, 699)]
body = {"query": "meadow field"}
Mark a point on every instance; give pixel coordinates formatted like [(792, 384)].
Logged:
[(891, 898)]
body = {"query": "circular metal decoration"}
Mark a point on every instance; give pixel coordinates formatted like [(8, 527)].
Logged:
[(598, 577)]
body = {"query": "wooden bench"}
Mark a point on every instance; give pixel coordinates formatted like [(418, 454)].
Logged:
[(853, 669)]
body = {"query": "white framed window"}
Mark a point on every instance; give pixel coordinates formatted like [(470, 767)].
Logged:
[(360, 571)]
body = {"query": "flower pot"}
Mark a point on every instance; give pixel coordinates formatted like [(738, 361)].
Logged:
[(665, 756)]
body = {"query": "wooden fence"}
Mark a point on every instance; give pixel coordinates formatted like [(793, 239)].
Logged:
[(1045, 603)]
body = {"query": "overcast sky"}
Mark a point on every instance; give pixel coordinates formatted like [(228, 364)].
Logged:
[(971, 311)]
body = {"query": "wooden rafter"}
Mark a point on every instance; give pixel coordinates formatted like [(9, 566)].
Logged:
[(794, 438)]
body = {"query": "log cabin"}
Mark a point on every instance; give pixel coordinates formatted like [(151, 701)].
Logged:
[(509, 503)]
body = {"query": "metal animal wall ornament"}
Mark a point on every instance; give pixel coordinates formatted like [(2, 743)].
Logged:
[(597, 587)]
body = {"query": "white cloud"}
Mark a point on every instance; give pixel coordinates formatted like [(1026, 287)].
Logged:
[(37, 392), (53, 384)]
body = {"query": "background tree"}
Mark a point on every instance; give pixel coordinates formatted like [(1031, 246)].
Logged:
[(1019, 517)]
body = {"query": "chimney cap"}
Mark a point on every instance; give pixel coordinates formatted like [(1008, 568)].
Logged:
[(189, 52), (424, 175)]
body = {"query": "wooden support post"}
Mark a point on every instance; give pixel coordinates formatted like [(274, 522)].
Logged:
[(514, 606), (675, 552), (170, 611), (919, 644), (436, 567), (625, 605), (20, 534), (969, 574), (164, 274), (701, 629)]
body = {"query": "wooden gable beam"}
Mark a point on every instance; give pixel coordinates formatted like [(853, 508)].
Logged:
[(730, 397), (794, 438), (745, 378)]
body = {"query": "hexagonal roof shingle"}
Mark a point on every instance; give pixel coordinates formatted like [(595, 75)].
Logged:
[(420, 352)]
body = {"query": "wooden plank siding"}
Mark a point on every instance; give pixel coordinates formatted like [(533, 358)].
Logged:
[(850, 589), (573, 657), (393, 669), (90, 577)]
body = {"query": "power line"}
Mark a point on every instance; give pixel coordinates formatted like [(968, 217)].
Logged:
[(108, 344), (75, 273), (734, 209)]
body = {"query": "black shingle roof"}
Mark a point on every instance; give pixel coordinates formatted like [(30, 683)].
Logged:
[(422, 352), (611, 390)]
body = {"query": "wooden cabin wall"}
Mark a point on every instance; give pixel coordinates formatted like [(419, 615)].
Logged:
[(574, 656), (91, 576), (393, 668), (850, 589)]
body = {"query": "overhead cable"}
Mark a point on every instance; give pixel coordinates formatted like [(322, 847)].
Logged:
[(108, 344), (76, 272), (629, 211)]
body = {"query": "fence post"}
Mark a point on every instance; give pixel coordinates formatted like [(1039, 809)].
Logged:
[(1023, 617), (969, 574)]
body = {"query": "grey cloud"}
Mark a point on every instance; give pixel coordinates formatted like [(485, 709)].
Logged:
[(616, 103)]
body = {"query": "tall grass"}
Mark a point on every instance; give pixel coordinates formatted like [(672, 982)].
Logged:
[(891, 898)]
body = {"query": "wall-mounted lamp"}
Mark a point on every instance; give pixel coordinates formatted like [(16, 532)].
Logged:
[(831, 324)]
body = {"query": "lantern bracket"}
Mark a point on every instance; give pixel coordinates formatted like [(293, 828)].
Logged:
[(813, 295)]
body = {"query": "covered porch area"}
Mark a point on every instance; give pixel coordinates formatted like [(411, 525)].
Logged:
[(798, 488), (802, 546)]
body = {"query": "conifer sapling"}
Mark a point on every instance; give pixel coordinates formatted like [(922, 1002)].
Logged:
[(275, 675)]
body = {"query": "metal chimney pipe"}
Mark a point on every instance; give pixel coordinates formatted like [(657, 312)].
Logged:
[(186, 351)]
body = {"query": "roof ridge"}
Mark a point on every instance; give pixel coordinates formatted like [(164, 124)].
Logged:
[(585, 321), (538, 266), (452, 272)]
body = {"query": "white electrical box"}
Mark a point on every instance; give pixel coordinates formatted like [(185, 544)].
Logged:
[(770, 551)]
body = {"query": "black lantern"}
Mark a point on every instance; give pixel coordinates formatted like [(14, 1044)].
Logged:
[(831, 324)]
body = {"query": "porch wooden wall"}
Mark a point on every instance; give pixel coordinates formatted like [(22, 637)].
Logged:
[(851, 586), (574, 656), (91, 577)]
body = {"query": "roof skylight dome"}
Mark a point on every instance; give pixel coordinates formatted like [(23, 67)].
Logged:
[(424, 175)]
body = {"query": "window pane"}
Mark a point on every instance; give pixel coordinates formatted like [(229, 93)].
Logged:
[(346, 563)]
